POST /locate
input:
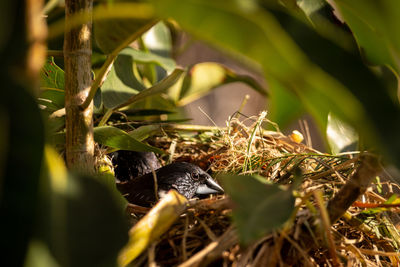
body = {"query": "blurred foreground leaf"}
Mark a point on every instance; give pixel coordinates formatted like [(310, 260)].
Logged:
[(39, 255), (21, 149), (379, 117), (259, 207), (112, 32), (376, 29), (323, 75), (156, 222), (204, 77), (81, 220), (281, 100)]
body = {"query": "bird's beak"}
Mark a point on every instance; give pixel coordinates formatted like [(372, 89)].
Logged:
[(209, 187)]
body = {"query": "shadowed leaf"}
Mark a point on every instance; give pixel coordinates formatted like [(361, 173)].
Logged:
[(259, 207), (116, 138), (81, 219)]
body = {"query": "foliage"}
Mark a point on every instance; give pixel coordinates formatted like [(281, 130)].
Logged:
[(326, 76), (267, 208), (310, 59)]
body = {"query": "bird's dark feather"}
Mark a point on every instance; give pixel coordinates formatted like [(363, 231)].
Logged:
[(181, 176), (131, 164)]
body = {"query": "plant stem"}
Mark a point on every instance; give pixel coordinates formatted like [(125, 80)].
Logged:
[(77, 60), (106, 117)]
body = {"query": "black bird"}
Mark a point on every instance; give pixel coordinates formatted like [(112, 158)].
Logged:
[(131, 164), (188, 179)]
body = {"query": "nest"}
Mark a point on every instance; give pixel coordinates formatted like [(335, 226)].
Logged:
[(364, 234)]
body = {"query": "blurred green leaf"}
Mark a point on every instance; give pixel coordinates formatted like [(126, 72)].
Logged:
[(6, 10), (341, 136), (376, 29), (39, 255), (311, 6), (268, 44), (259, 207), (323, 18), (147, 57), (116, 33), (22, 142), (158, 40), (280, 100), (106, 176), (116, 138), (77, 231), (324, 76), (363, 86), (112, 34), (152, 226), (204, 77)]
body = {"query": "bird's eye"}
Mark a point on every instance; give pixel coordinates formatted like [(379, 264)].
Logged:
[(196, 175)]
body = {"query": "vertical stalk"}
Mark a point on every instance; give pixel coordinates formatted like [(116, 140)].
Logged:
[(77, 61)]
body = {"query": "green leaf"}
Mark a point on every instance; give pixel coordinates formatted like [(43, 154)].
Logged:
[(259, 207), (21, 152), (323, 18), (122, 86), (52, 86), (147, 57), (146, 112), (160, 87), (116, 33), (156, 102), (311, 7), (341, 136), (143, 132), (369, 100), (158, 40), (204, 77), (39, 255), (268, 44), (116, 138), (7, 9), (71, 220), (121, 82), (280, 100), (376, 29), (323, 75), (51, 76)]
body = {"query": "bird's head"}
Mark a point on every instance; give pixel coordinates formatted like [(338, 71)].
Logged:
[(189, 180)]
